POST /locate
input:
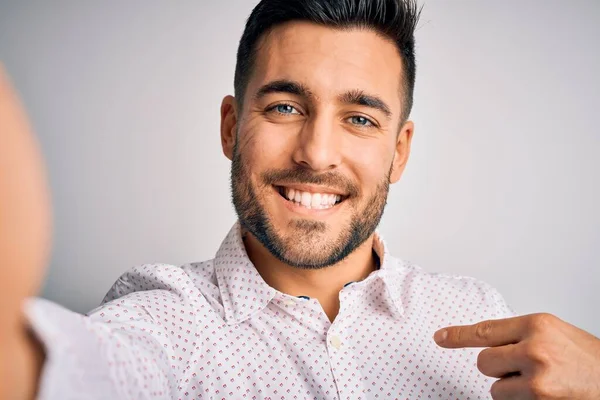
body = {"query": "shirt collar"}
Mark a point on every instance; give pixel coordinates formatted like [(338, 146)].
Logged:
[(244, 292), (390, 272)]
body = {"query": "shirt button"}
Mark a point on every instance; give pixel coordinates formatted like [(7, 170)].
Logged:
[(289, 303), (336, 342)]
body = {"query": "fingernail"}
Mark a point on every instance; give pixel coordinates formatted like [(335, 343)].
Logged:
[(440, 335)]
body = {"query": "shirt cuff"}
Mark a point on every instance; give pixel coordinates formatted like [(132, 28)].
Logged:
[(73, 366)]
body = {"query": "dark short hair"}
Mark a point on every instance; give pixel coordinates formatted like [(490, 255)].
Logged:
[(393, 19)]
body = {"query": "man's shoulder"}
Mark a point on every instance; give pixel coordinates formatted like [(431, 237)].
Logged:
[(453, 292), (177, 279)]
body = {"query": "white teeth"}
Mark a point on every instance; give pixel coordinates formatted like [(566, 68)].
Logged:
[(316, 200), (311, 200), (290, 194), (306, 199)]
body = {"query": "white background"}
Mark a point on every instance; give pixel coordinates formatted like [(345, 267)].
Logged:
[(502, 183)]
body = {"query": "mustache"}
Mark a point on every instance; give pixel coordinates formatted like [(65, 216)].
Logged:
[(300, 175)]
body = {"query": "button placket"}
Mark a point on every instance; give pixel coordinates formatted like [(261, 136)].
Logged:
[(335, 341), (335, 348)]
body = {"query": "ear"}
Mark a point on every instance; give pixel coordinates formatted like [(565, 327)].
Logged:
[(228, 125), (402, 151)]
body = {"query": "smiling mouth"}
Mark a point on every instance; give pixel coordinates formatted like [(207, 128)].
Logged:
[(315, 201)]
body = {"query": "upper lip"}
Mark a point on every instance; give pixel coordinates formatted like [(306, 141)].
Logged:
[(312, 188)]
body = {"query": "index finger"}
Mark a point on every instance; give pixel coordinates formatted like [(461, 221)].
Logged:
[(490, 333)]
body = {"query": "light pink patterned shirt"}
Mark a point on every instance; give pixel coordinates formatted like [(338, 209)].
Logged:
[(216, 330)]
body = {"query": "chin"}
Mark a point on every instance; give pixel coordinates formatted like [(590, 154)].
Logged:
[(308, 244)]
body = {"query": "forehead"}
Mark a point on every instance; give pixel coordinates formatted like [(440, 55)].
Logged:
[(329, 61)]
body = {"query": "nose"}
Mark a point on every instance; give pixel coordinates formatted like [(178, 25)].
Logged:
[(318, 145)]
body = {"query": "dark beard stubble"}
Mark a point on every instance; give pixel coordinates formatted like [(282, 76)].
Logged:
[(254, 218)]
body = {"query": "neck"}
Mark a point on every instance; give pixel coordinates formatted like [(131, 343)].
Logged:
[(324, 284)]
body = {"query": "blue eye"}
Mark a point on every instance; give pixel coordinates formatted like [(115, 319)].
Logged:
[(361, 121), (285, 109)]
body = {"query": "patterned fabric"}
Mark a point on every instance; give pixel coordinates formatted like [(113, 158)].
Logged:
[(216, 330)]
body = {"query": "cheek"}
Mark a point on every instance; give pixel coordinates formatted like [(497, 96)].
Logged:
[(370, 162), (264, 146)]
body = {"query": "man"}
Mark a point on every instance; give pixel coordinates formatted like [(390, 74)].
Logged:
[(302, 300)]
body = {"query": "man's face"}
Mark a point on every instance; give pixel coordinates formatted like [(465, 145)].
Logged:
[(317, 142)]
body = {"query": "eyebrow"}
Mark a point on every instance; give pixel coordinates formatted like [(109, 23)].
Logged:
[(355, 97), (360, 98), (283, 86)]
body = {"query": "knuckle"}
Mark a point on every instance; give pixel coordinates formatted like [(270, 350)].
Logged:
[(539, 387), (529, 350), (535, 386), (483, 330), (457, 335), (536, 352), (542, 322)]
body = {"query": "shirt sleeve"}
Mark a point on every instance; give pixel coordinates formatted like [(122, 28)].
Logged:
[(128, 348), (497, 304)]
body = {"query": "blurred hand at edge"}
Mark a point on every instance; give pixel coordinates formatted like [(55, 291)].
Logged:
[(25, 225)]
